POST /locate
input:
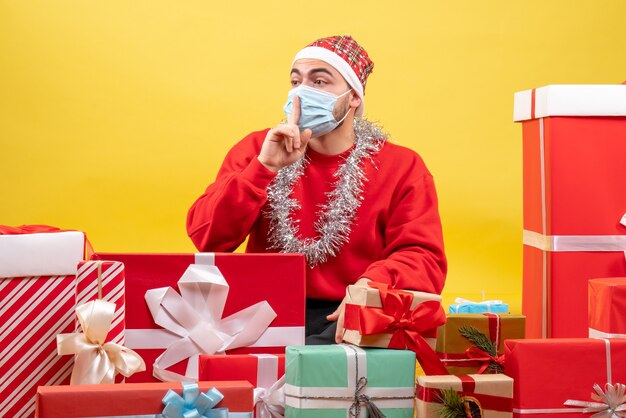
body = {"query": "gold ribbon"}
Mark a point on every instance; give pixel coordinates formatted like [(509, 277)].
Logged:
[(96, 361), (99, 263), (609, 403)]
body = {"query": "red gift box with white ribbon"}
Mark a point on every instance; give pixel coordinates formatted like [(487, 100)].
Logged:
[(183, 305), (574, 140), (264, 371), (553, 376)]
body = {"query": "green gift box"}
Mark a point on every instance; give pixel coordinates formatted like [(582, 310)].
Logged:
[(339, 381)]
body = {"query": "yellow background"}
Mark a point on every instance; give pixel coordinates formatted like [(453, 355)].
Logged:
[(115, 115)]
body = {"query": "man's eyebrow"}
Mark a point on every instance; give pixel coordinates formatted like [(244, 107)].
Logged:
[(313, 71), (321, 70)]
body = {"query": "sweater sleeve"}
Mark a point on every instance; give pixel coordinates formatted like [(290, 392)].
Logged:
[(221, 219), (413, 257)]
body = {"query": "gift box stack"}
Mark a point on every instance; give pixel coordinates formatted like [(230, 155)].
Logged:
[(573, 360), (563, 359), (574, 200), (471, 346), (69, 337), (473, 341), (377, 316), (205, 334)]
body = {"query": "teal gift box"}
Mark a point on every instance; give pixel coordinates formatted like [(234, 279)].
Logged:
[(339, 381), (464, 306)]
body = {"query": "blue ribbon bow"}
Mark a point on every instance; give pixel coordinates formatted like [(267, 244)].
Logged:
[(193, 403)]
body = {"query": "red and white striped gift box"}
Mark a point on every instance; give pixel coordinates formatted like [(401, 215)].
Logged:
[(37, 302), (33, 310), (103, 280)]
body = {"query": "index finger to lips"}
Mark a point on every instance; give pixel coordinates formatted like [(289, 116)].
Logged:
[(294, 117)]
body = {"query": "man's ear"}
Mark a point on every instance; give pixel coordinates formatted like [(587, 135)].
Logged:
[(355, 100)]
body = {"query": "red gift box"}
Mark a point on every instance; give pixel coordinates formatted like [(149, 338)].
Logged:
[(130, 399), (278, 279), (549, 372), (607, 307), (573, 140), (261, 370)]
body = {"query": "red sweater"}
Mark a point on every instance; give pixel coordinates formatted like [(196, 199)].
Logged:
[(396, 235)]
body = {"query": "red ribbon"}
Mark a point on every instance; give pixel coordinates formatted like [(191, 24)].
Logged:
[(472, 357), (483, 358), (487, 402), (494, 328), (406, 325), (27, 229)]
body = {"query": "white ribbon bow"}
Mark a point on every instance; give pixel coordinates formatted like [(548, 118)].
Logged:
[(270, 402), (610, 403), (96, 361), (195, 317)]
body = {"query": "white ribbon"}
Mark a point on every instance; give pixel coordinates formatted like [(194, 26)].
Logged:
[(195, 318), (594, 333), (269, 395), (570, 243), (609, 403), (574, 243), (96, 361), (270, 402), (141, 339)]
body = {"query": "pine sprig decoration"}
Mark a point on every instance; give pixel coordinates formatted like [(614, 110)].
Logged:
[(480, 340), (452, 404), (457, 406)]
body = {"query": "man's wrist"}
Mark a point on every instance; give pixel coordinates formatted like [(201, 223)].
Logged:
[(267, 165)]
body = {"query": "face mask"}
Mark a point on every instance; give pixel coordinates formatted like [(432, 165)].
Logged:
[(316, 109)]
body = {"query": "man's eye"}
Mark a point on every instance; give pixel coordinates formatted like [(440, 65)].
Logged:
[(319, 82), (294, 82)]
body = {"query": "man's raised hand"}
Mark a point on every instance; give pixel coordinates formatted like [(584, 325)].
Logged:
[(285, 144)]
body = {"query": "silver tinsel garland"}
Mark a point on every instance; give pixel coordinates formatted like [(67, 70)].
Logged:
[(336, 217)]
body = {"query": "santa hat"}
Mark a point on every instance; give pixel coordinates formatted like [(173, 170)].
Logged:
[(347, 57)]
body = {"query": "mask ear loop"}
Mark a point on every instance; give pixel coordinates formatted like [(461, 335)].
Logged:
[(349, 109)]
